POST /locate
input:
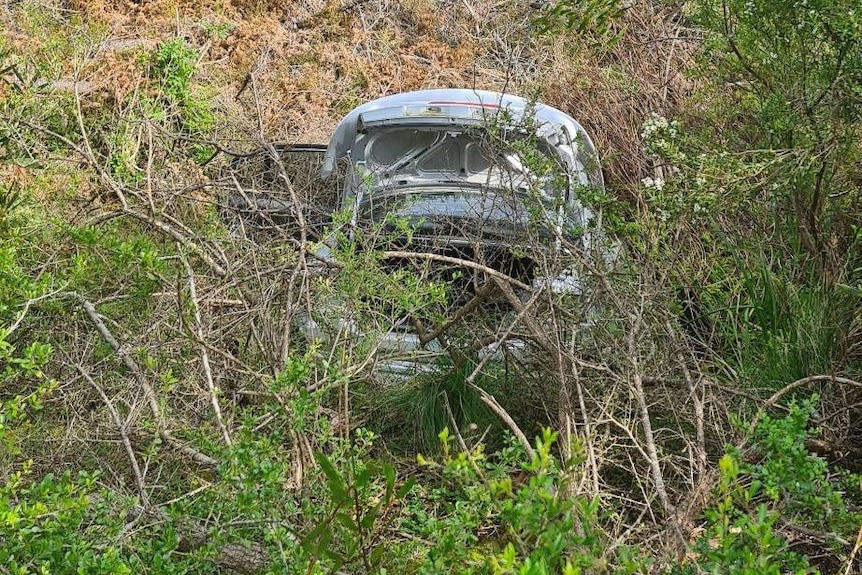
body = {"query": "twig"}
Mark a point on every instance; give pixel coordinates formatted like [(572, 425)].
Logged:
[(529, 321), (856, 547), (478, 298), (499, 341), (637, 388), (89, 157), (696, 392), (300, 270), (461, 443), (458, 262), (205, 358), (140, 376), (124, 436), (179, 237), (588, 433), (23, 313), (821, 535), (776, 397), (492, 403)]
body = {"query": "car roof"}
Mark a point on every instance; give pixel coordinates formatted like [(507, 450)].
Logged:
[(449, 106)]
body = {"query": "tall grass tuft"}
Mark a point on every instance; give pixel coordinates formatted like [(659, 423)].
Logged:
[(411, 413), (781, 330)]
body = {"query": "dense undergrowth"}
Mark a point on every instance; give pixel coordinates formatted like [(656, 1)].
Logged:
[(159, 413)]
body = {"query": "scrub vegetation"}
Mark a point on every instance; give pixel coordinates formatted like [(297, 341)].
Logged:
[(697, 408)]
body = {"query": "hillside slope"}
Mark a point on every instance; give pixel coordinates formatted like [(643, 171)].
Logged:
[(694, 408)]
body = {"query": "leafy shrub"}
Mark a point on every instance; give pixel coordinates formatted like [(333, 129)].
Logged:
[(786, 485), (795, 76), (488, 522), (172, 64), (593, 19)]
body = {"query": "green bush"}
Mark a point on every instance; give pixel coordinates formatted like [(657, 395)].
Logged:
[(172, 65), (789, 80), (786, 485), (487, 523)]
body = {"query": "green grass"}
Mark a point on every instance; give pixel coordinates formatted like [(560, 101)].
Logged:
[(781, 330), (411, 414)]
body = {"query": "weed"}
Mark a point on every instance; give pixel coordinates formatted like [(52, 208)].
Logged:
[(10, 201), (218, 30), (594, 19), (172, 65), (786, 483)]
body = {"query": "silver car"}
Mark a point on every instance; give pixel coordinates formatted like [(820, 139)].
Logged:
[(478, 176), (440, 153)]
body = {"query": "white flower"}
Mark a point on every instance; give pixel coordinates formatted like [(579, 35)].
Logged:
[(656, 183)]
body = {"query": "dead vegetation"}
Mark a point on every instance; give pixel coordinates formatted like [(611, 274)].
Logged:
[(216, 326), (314, 61)]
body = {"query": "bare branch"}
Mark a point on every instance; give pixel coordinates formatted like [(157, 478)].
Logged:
[(205, 358), (458, 262), (124, 436), (776, 397), (696, 393), (494, 406), (141, 377)]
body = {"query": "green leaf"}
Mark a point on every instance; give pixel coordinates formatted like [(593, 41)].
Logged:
[(367, 522), (405, 488), (389, 473), (337, 560), (317, 540), (347, 522), (335, 482), (376, 554), (361, 479)]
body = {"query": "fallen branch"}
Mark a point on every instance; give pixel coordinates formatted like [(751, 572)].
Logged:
[(458, 262), (140, 376), (205, 358), (124, 436), (498, 409), (247, 559), (776, 397)]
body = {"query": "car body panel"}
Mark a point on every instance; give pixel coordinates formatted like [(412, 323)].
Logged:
[(461, 107)]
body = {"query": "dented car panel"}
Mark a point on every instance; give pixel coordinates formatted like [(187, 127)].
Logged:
[(433, 152), (461, 107)]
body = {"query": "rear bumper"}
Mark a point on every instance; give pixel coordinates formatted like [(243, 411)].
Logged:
[(399, 353)]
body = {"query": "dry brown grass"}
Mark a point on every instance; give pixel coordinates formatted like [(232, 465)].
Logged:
[(347, 53)]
